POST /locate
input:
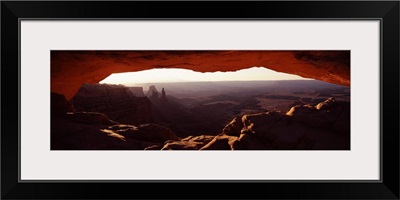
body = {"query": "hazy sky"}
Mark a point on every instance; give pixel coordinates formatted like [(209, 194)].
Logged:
[(183, 75)]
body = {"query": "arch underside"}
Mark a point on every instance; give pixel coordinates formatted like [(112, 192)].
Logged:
[(71, 69)]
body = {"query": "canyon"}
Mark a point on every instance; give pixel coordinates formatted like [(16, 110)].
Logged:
[(112, 117), (288, 115), (71, 69)]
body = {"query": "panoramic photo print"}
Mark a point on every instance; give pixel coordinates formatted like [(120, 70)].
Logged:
[(200, 100)]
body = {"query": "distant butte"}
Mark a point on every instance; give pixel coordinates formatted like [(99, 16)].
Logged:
[(71, 69)]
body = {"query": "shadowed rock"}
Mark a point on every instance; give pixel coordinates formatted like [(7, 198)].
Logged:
[(330, 114), (154, 147), (137, 91), (115, 101), (147, 132), (163, 97), (59, 104), (95, 131), (250, 142), (188, 143), (324, 126), (88, 131), (221, 142), (234, 127), (158, 131), (152, 93), (70, 69), (89, 118)]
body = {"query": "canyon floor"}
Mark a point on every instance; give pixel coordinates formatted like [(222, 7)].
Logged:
[(266, 115)]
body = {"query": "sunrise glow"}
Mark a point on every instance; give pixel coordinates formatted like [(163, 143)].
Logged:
[(164, 75)]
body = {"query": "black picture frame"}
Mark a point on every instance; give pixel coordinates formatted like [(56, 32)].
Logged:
[(386, 11)]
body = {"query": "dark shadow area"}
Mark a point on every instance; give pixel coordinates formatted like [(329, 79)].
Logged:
[(225, 115)]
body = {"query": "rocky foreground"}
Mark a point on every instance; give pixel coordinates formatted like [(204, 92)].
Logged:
[(325, 126)]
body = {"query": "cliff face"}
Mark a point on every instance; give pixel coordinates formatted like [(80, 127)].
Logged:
[(59, 104), (115, 101), (137, 91), (94, 131), (325, 126), (152, 93), (70, 69), (73, 130)]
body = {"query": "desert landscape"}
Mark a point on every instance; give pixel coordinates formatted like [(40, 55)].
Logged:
[(303, 114)]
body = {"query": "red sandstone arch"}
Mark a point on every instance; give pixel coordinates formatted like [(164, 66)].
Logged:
[(70, 69)]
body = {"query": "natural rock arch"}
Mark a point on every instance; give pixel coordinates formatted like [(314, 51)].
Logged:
[(71, 69)]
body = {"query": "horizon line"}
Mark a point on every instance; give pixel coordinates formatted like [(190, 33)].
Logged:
[(216, 81)]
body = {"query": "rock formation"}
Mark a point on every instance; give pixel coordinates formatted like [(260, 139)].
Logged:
[(152, 92), (94, 131), (188, 143), (171, 113), (163, 97), (137, 91), (154, 97), (146, 132), (115, 101), (59, 104), (71, 69), (323, 126)]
